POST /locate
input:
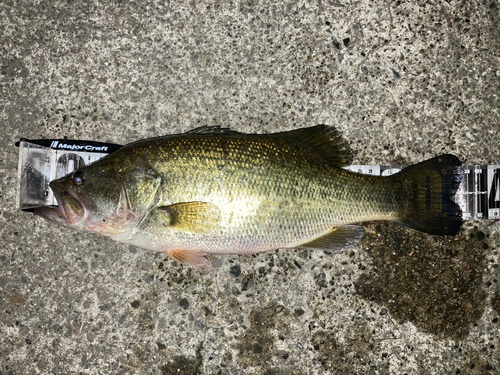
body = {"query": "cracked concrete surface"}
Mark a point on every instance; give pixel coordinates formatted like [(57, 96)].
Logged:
[(402, 80)]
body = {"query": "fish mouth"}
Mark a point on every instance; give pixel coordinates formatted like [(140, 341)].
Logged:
[(70, 210)]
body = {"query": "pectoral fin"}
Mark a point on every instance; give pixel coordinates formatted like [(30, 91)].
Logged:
[(339, 238), (189, 258), (196, 217)]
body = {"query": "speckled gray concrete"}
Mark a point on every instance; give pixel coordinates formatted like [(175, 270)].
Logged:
[(402, 80)]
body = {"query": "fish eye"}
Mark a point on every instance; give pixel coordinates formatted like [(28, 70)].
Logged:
[(78, 177)]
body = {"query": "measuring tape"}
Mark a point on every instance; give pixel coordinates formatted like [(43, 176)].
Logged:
[(44, 160)]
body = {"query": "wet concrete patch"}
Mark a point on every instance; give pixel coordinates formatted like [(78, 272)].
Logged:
[(476, 364), (256, 347), (433, 282), (182, 365), (354, 352), (257, 343), (495, 303)]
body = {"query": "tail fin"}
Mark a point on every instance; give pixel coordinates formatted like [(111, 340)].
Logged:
[(427, 192)]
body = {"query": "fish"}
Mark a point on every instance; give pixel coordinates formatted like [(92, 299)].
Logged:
[(215, 190)]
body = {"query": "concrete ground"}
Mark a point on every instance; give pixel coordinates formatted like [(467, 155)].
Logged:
[(403, 81)]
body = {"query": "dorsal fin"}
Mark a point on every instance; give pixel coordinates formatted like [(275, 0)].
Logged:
[(323, 140), (213, 130)]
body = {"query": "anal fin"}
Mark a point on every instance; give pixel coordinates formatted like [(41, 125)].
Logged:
[(189, 258), (337, 239)]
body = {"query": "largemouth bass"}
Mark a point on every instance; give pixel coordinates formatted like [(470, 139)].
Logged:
[(218, 191)]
